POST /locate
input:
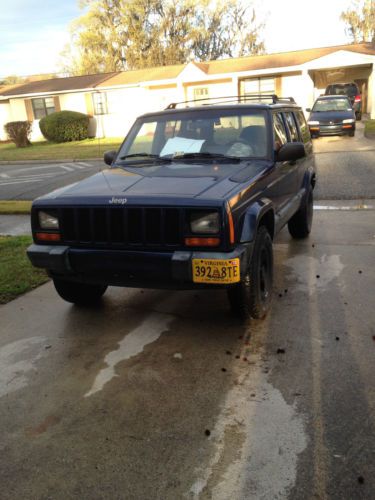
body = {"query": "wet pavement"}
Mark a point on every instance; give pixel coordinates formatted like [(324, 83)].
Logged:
[(165, 395)]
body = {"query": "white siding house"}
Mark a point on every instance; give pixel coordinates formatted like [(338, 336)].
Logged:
[(114, 100)]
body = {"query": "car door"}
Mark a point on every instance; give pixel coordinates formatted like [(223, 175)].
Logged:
[(285, 182), (308, 162)]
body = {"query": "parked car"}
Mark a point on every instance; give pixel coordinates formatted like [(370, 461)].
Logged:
[(331, 115), (192, 200), (351, 90)]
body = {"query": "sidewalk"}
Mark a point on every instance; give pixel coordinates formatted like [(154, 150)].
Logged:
[(14, 225)]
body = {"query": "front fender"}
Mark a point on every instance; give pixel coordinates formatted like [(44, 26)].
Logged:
[(253, 215), (309, 178)]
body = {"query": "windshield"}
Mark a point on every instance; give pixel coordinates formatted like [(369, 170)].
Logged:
[(332, 105), (348, 89), (204, 133)]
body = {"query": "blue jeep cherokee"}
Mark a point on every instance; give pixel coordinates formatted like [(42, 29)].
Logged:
[(192, 199)]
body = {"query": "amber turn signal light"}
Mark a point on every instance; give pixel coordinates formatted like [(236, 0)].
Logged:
[(48, 236), (202, 242), (231, 225)]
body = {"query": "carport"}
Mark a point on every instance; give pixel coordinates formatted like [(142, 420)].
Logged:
[(343, 66), (357, 74)]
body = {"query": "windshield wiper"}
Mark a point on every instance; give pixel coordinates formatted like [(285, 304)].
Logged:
[(144, 155), (206, 155)]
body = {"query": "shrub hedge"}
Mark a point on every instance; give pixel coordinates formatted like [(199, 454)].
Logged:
[(19, 133), (65, 126)]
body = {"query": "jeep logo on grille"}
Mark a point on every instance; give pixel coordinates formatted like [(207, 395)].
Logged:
[(118, 201)]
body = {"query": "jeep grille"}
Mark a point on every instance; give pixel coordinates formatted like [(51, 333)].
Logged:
[(122, 227)]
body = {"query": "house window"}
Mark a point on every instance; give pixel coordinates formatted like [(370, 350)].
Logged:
[(100, 103), (200, 93), (43, 107), (257, 86)]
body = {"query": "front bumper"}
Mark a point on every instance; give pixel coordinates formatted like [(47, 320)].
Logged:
[(129, 268), (335, 129)]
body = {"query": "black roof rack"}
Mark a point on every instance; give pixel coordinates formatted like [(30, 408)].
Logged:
[(237, 99)]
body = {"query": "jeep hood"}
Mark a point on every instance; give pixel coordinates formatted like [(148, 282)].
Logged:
[(187, 180)]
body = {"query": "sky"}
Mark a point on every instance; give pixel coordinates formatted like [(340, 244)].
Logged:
[(34, 32)]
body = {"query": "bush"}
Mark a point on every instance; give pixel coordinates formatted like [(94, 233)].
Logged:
[(19, 133), (65, 126)]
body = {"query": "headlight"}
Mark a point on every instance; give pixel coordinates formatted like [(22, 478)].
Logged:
[(313, 123), (48, 220), (348, 120), (204, 222)]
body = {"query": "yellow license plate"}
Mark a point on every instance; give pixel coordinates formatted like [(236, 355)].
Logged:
[(216, 271)]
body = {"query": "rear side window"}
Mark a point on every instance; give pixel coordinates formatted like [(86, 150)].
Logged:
[(279, 132), (303, 126), (349, 89), (292, 127)]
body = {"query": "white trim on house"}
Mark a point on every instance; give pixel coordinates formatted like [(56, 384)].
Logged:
[(46, 94)]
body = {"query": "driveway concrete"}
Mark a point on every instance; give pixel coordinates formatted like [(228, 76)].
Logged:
[(345, 166), (337, 143), (164, 395)]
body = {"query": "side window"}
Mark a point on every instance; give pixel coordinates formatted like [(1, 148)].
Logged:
[(143, 143), (279, 132), (292, 127), (305, 133)]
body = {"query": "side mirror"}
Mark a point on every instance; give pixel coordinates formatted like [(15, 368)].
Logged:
[(291, 151), (109, 156), (308, 110)]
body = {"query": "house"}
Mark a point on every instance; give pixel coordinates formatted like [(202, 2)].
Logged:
[(115, 99)]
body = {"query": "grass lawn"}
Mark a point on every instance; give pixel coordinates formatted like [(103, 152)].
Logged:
[(15, 207), (17, 275), (43, 150), (370, 126)]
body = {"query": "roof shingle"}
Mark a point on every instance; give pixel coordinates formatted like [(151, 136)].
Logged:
[(57, 84)]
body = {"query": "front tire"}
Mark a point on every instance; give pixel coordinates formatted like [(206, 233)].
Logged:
[(79, 293), (300, 224), (252, 296)]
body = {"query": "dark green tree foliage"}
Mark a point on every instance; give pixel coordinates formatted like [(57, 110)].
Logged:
[(65, 126), (19, 133), (115, 35), (360, 21)]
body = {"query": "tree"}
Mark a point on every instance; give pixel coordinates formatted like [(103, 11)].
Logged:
[(114, 35), (226, 29), (11, 80), (360, 21)]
